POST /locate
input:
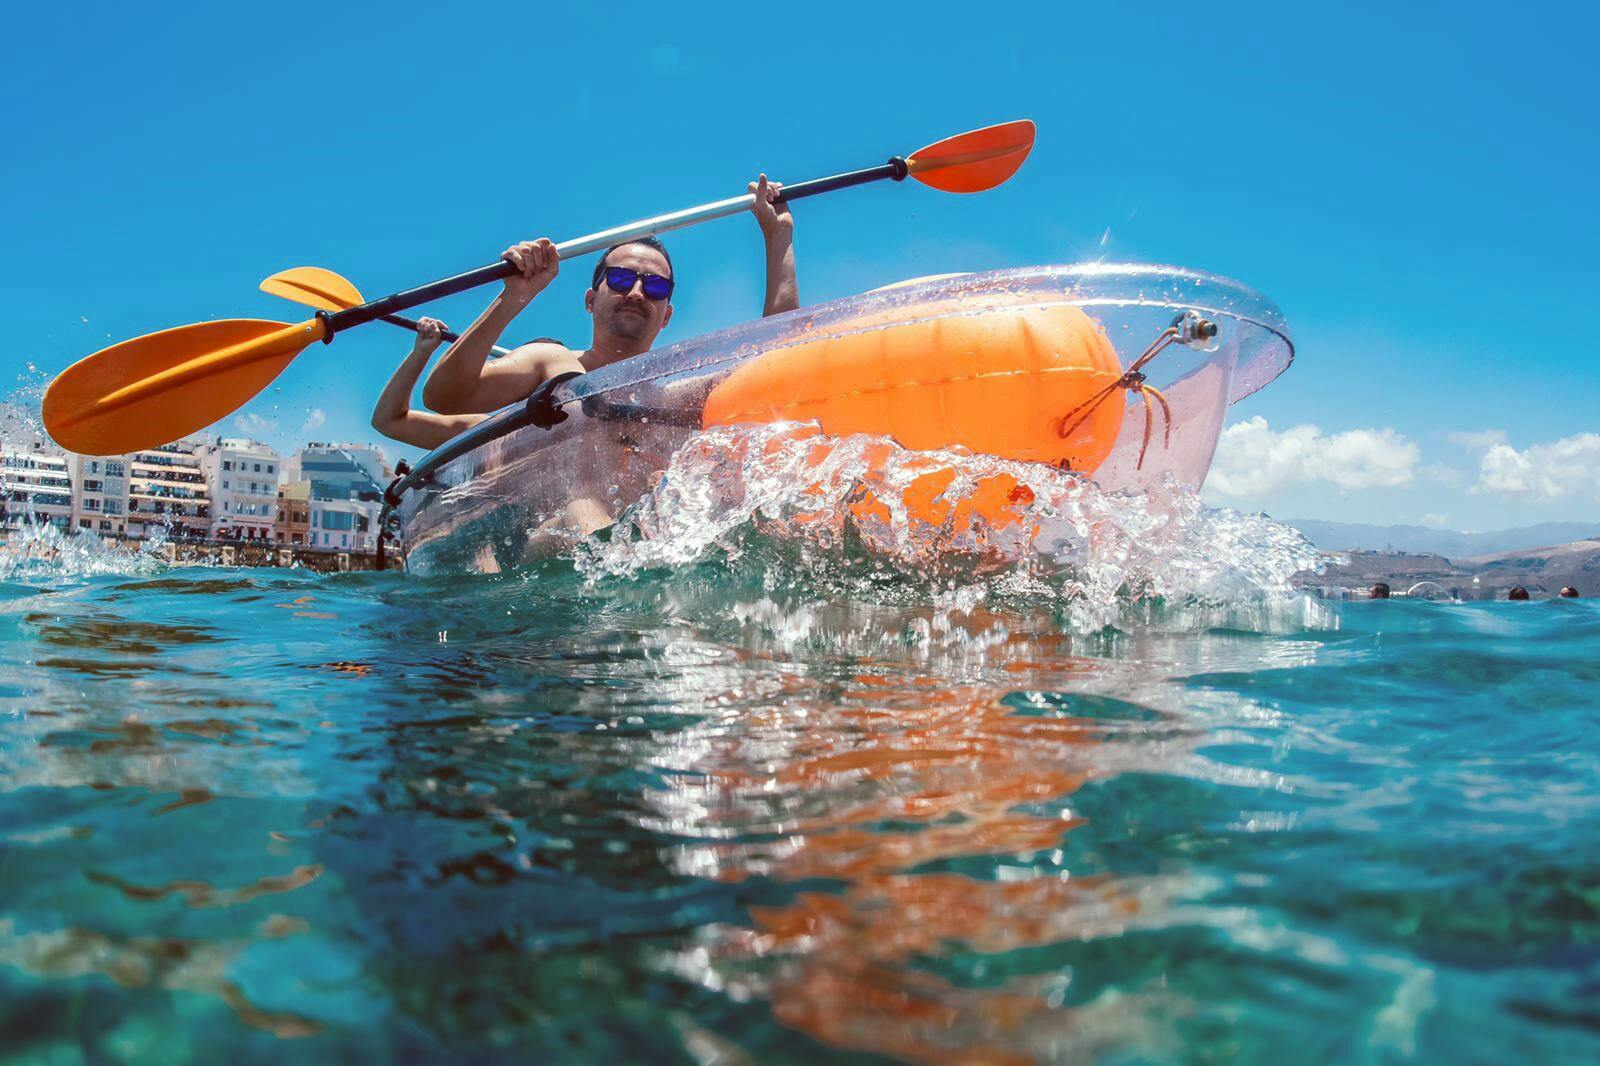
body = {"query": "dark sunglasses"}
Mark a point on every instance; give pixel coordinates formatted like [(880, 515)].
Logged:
[(621, 279)]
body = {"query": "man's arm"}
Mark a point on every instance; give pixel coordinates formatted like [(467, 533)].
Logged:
[(393, 416), (462, 383), (777, 231)]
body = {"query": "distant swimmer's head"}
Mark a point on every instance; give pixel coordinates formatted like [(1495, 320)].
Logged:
[(630, 294), (1569, 593), (1517, 593), (1380, 591)]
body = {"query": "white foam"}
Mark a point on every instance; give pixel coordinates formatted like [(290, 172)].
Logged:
[(844, 513)]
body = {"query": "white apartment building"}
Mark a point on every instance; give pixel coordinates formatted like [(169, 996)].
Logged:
[(35, 487), (99, 492), (167, 489), (345, 525), (243, 478)]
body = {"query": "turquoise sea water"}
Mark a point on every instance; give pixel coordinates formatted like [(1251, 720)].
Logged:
[(754, 810)]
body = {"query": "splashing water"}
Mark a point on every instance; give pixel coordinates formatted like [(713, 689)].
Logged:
[(21, 417), (36, 551), (42, 554), (862, 515)]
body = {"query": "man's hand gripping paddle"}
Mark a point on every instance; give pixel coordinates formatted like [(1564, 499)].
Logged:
[(162, 386)]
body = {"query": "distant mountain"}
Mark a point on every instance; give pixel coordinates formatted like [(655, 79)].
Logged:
[(1576, 564), (1345, 536), (1542, 571)]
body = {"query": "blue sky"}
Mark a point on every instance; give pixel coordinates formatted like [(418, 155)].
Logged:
[(1412, 184)]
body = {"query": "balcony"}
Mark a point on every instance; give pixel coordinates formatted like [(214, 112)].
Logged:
[(166, 492), (40, 499), (13, 462), (167, 477)]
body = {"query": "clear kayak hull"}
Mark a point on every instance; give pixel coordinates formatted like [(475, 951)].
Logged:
[(510, 490)]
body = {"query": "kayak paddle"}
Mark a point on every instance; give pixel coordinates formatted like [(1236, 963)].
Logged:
[(327, 291), (157, 388)]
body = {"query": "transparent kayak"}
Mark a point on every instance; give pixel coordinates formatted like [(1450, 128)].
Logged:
[(1186, 344)]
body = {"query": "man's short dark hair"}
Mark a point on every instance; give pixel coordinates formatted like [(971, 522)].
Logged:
[(648, 242)]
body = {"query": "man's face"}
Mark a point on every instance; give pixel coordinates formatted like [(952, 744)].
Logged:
[(632, 315)]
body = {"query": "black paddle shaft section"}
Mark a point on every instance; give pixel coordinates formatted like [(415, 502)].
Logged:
[(895, 170), (447, 335), (438, 290)]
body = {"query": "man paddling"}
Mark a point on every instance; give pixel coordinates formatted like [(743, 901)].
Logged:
[(630, 299)]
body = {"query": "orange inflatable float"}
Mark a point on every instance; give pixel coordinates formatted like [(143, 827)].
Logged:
[(1000, 381), (1028, 382)]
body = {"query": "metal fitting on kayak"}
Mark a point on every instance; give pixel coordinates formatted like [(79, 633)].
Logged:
[(391, 495), (1194, 330), (541, 409), (388, 520)]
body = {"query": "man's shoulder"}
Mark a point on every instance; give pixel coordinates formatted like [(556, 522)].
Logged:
[(541, 359), (539, 346)]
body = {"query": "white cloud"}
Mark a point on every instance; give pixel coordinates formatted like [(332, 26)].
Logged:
[(1478, 441), (1567, 467), (1253, 459), (255, 425), (1436, 521), (314, 420)]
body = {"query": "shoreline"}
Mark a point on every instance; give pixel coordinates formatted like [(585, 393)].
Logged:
[(243, 553)]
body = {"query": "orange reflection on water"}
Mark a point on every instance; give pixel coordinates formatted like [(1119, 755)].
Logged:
[(870, 786), (343, 666), (958, 765)]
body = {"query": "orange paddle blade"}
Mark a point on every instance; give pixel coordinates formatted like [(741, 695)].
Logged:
[(159, 387), (314, 286), (973, 162)]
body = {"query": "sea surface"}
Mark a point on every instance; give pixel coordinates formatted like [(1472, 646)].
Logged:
[(743, 799)]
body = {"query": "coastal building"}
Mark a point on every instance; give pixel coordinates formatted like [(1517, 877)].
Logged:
[(167, 490), (118, 495), (327, 496), (242, 477), (293, 522), (35, 487), (341, 486), (340, 471), (344, 525), (99, 493)]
